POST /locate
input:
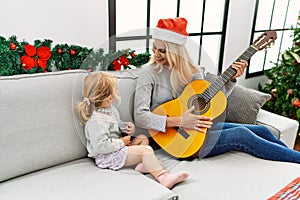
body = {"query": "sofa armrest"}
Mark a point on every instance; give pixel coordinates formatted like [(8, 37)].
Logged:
[(288, 127)]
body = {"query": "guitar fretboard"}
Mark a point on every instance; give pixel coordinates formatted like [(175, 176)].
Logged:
[(217, 85)]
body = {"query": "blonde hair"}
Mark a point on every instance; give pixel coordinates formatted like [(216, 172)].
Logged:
[(96, 88), (181, 65)]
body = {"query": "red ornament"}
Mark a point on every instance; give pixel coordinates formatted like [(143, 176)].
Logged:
[(132, 55), (12, 46), (72, 52), (296, 103), (59, 51)]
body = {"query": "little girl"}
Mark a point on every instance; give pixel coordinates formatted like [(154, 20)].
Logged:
[(104, 141)]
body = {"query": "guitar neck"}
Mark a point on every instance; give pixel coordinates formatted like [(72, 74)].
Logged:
[(217, 85)]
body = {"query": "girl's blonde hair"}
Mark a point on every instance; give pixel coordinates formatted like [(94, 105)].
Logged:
[(181, 65), (96, 88)]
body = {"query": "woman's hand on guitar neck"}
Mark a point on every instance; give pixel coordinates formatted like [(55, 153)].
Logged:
[(240, 67), (188, 120)]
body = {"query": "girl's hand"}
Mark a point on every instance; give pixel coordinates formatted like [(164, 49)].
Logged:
[(240, 67), (130, 129), (126, 140), (194, 122)]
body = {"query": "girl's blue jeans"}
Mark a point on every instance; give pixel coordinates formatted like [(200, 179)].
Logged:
[(256, 140)]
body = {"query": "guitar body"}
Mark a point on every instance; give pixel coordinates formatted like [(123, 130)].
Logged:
[(173, 141)]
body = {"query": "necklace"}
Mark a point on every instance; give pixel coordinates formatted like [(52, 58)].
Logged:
[(107, 111)]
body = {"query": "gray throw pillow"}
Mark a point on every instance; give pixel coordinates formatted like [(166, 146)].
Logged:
[(243, 103)]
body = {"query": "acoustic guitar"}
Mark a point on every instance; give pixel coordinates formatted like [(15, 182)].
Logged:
[(208, 100)]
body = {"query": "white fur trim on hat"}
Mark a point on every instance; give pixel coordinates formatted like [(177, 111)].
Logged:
[(170, 36)]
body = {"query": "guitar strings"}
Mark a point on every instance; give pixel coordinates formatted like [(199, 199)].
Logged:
[(213, 89)]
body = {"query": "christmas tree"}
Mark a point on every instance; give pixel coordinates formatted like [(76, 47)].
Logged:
[(285, 82)]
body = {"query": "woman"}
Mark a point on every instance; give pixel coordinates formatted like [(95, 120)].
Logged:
[(164, 78)]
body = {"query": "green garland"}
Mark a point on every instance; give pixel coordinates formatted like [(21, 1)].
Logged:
[(63, 57)]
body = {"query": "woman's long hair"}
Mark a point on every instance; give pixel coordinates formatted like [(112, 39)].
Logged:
[(97, 87), (181, 65)]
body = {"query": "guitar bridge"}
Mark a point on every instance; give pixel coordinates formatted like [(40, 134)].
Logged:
[(182, 132)]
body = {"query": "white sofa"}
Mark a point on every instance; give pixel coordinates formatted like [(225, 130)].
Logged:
[(43, 155)]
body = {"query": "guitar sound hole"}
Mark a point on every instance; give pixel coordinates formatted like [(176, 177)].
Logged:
[(200, 105)]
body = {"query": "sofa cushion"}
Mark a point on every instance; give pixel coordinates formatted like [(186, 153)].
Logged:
[(39, 127), (231, 176), (81, 179), (126, 84)]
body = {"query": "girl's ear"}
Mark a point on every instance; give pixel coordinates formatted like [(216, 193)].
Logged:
[(107, 101)]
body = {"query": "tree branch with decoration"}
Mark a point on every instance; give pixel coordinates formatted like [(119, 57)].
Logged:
[(21, 57), (285, 82)]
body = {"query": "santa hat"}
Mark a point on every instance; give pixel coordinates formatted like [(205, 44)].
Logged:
[(171, 30)]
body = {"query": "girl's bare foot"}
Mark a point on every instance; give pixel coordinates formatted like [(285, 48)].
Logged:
[(169, 180)]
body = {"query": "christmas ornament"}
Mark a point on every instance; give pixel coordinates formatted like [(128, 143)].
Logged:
[(72, 52), (12, 46)]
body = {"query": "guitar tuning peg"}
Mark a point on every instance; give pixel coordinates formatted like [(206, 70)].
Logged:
[(273, 43), (269, 45), (265, 48)]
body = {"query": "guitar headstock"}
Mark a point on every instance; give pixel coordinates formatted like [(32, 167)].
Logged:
[(265, 40)]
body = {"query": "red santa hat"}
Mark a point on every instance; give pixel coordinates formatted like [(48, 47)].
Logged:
[(171, 30)]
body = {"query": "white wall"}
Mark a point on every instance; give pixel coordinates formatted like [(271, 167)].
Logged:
[(85, 23), (238, 36), (82, 23)]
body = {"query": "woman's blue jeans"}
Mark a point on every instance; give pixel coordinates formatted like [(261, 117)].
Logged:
[(256, 140)]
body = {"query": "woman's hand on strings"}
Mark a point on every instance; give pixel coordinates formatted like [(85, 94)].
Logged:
[(240, 67)]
